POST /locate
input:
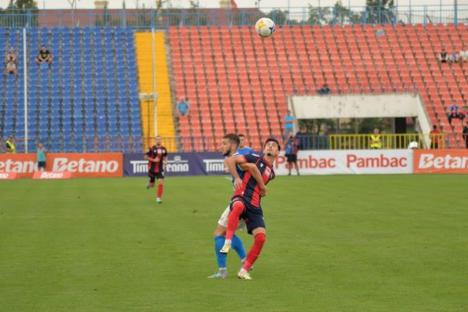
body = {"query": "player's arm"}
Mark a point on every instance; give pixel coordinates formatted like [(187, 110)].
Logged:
[(231, 163), (149, 158), (253, 169)]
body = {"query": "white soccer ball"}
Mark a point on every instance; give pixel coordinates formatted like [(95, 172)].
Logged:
[(265, 27)]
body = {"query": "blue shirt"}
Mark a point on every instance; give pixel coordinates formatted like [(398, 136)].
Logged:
[(289, 122), (244, 151), (182, 107), (41, 154)]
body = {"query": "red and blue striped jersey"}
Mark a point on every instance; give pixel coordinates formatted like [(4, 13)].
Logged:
[(249, 190)]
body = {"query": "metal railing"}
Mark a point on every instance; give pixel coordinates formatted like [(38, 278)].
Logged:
[(148, 18), (388, 141), (203, 144)]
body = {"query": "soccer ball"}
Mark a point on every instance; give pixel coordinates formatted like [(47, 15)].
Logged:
[(265, 27)]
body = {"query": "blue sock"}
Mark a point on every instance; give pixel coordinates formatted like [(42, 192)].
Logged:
[(220, 257), (238, 246)]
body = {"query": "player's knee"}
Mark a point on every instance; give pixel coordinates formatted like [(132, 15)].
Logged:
[(219, 231), (237, 206), (260, 238)]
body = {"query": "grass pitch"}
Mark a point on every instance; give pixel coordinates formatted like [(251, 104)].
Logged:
[(335, 243)]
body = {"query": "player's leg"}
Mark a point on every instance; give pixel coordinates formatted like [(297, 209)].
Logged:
[(152, 178), (219, 239), (160, 190), (254, 252), (297, 167), (221, 258), (237, 209)]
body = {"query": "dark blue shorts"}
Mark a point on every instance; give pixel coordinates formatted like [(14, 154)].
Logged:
[(252, 215)]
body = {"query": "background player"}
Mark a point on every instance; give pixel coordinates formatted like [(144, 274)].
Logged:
[(246, 202), (243, 149), (230, 147), (156, 157)]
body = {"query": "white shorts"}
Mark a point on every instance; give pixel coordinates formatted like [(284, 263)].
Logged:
[(223, 220)]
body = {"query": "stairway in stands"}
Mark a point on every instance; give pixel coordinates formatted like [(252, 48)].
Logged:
[(165, 124)]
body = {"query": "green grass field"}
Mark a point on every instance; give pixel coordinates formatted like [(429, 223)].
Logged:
[(335, 243)]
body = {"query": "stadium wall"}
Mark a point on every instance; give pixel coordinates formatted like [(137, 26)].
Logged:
[(322, 162)]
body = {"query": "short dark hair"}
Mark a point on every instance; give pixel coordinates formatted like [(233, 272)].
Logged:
[(234, 138), (272, 140)]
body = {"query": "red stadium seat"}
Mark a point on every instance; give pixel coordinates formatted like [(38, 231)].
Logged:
[(234, 86)]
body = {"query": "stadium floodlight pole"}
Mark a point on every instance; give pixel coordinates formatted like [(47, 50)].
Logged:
[(25, 86)]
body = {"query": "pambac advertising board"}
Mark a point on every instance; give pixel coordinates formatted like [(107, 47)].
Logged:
[(179, 164), (79, 165), (350, 162), (441, 161)]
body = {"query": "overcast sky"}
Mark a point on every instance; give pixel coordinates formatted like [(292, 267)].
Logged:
[(56, 4)]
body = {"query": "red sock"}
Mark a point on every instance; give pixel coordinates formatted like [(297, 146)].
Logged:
[(236, 211), (160, 190), (255, 251)]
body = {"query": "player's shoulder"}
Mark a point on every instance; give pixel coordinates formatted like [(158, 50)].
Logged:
[(252, 156), (245, 150)]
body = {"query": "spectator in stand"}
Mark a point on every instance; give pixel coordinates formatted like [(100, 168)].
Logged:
[(289, 121), (44, 56), (41, 157), (454, 113), (290, 151), (303, 138), (464, 56), (11, 63), (465, 134), (443, 56), (453, 57), (10, 145), (376, 139), (183, 107), (435, 137), (324, 90)]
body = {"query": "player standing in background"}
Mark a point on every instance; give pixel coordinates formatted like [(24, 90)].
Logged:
[(156, 157), (243, 150), (231, 146), (245, 203), (290, 151)]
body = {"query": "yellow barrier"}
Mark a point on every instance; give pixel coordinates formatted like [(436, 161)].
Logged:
[(387, 141)]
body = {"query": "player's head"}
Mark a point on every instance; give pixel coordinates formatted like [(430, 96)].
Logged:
[(157, 140), (230, 144), (241, 140), (271, 147)]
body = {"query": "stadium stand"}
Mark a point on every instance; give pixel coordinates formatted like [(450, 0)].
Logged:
[(239, 82), (87, 100), (12, 91), (234, 80)]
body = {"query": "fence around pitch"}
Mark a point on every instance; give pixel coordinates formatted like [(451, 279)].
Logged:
[(151, 18), (389, 141), (202, 144)]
